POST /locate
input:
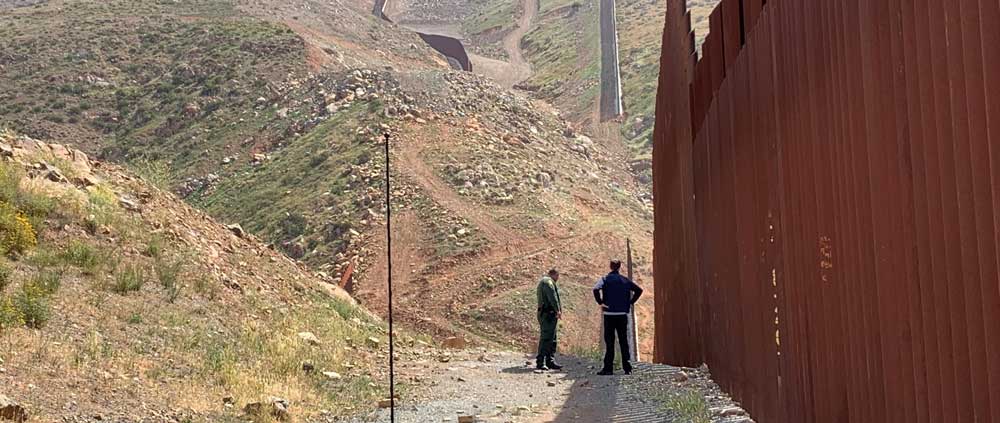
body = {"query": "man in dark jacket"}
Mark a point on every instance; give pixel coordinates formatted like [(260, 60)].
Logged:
[(549, 312), (616, 294)]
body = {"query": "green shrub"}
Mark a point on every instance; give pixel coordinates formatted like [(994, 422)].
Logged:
[(17, 235), (49, 281), (129, 278), (5, 274), (689, 404), (10, 183), (32, 304), (167, 273), (10, 316), (84, 256), (155, 247)]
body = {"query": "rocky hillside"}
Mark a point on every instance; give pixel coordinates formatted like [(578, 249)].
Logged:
[(118, 302), (640, 31), (271, 115)]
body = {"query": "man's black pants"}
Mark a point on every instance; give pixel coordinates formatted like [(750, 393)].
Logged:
[(616, 325)]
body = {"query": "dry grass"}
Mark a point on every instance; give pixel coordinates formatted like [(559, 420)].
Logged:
[(177, 345)]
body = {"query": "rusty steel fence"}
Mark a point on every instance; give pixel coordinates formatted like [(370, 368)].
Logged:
[(827, 184)]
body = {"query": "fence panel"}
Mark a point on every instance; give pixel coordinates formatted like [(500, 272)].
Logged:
[(842, 162)]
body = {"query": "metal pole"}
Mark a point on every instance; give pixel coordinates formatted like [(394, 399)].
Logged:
[(634, 329), (388, 255)]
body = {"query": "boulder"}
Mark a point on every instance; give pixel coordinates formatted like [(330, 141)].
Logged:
[(12, 411), (274, 406), (129, 203), (309, 337), (237, 230), (454, 342)]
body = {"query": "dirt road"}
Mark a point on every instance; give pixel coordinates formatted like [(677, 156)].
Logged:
[(476, 383), (520, 68), (516, 69)]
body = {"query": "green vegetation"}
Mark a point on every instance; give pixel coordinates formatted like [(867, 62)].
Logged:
[(84, 256), (689, 404), (491, 15), (5, 275), (640, 32), (278, 199), (128, 278), (167, 272), (564, 50), (32, 302), (158, 89)]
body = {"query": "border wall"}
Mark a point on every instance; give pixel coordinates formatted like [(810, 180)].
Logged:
[(827, 188)]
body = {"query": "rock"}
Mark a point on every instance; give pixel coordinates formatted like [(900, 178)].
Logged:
[(730, 412), (308, 367), (85, 181), (454, 342), (550, 383), (192, 110), (274, 406), (228, 402), (385, 403), (129, 203), (466, 419), (680, 377), (544, 179), (372, 341), (12, 411), (332, 375), (309, 337), (237, 230)]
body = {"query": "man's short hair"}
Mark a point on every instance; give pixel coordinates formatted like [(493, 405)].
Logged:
[(553, 272), (616, 264)]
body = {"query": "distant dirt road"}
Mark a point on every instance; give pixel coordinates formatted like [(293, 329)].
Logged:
[(506, 73), (520, 67)]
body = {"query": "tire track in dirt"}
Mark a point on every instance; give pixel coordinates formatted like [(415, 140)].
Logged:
[(520, 68), (440, 191)]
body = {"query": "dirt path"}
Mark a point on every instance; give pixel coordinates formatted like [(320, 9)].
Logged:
[(477, 383), (412, 164), (520, 68)]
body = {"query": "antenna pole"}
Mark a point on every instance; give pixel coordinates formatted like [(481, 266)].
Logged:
[(388, 255)]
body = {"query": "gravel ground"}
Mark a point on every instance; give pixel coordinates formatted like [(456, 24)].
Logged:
[(503, 387)]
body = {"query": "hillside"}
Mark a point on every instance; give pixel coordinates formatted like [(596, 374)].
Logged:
[(247, 111), (640, 31), (143, 307)]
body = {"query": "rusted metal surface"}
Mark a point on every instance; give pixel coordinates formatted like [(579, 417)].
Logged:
[(827, 188), (611, 86)]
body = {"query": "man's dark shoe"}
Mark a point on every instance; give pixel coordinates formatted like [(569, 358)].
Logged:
[(605, 373), (628, 371), (551, 363), (541, 367)]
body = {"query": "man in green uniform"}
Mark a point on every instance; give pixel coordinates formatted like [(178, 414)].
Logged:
[(549, 313)]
